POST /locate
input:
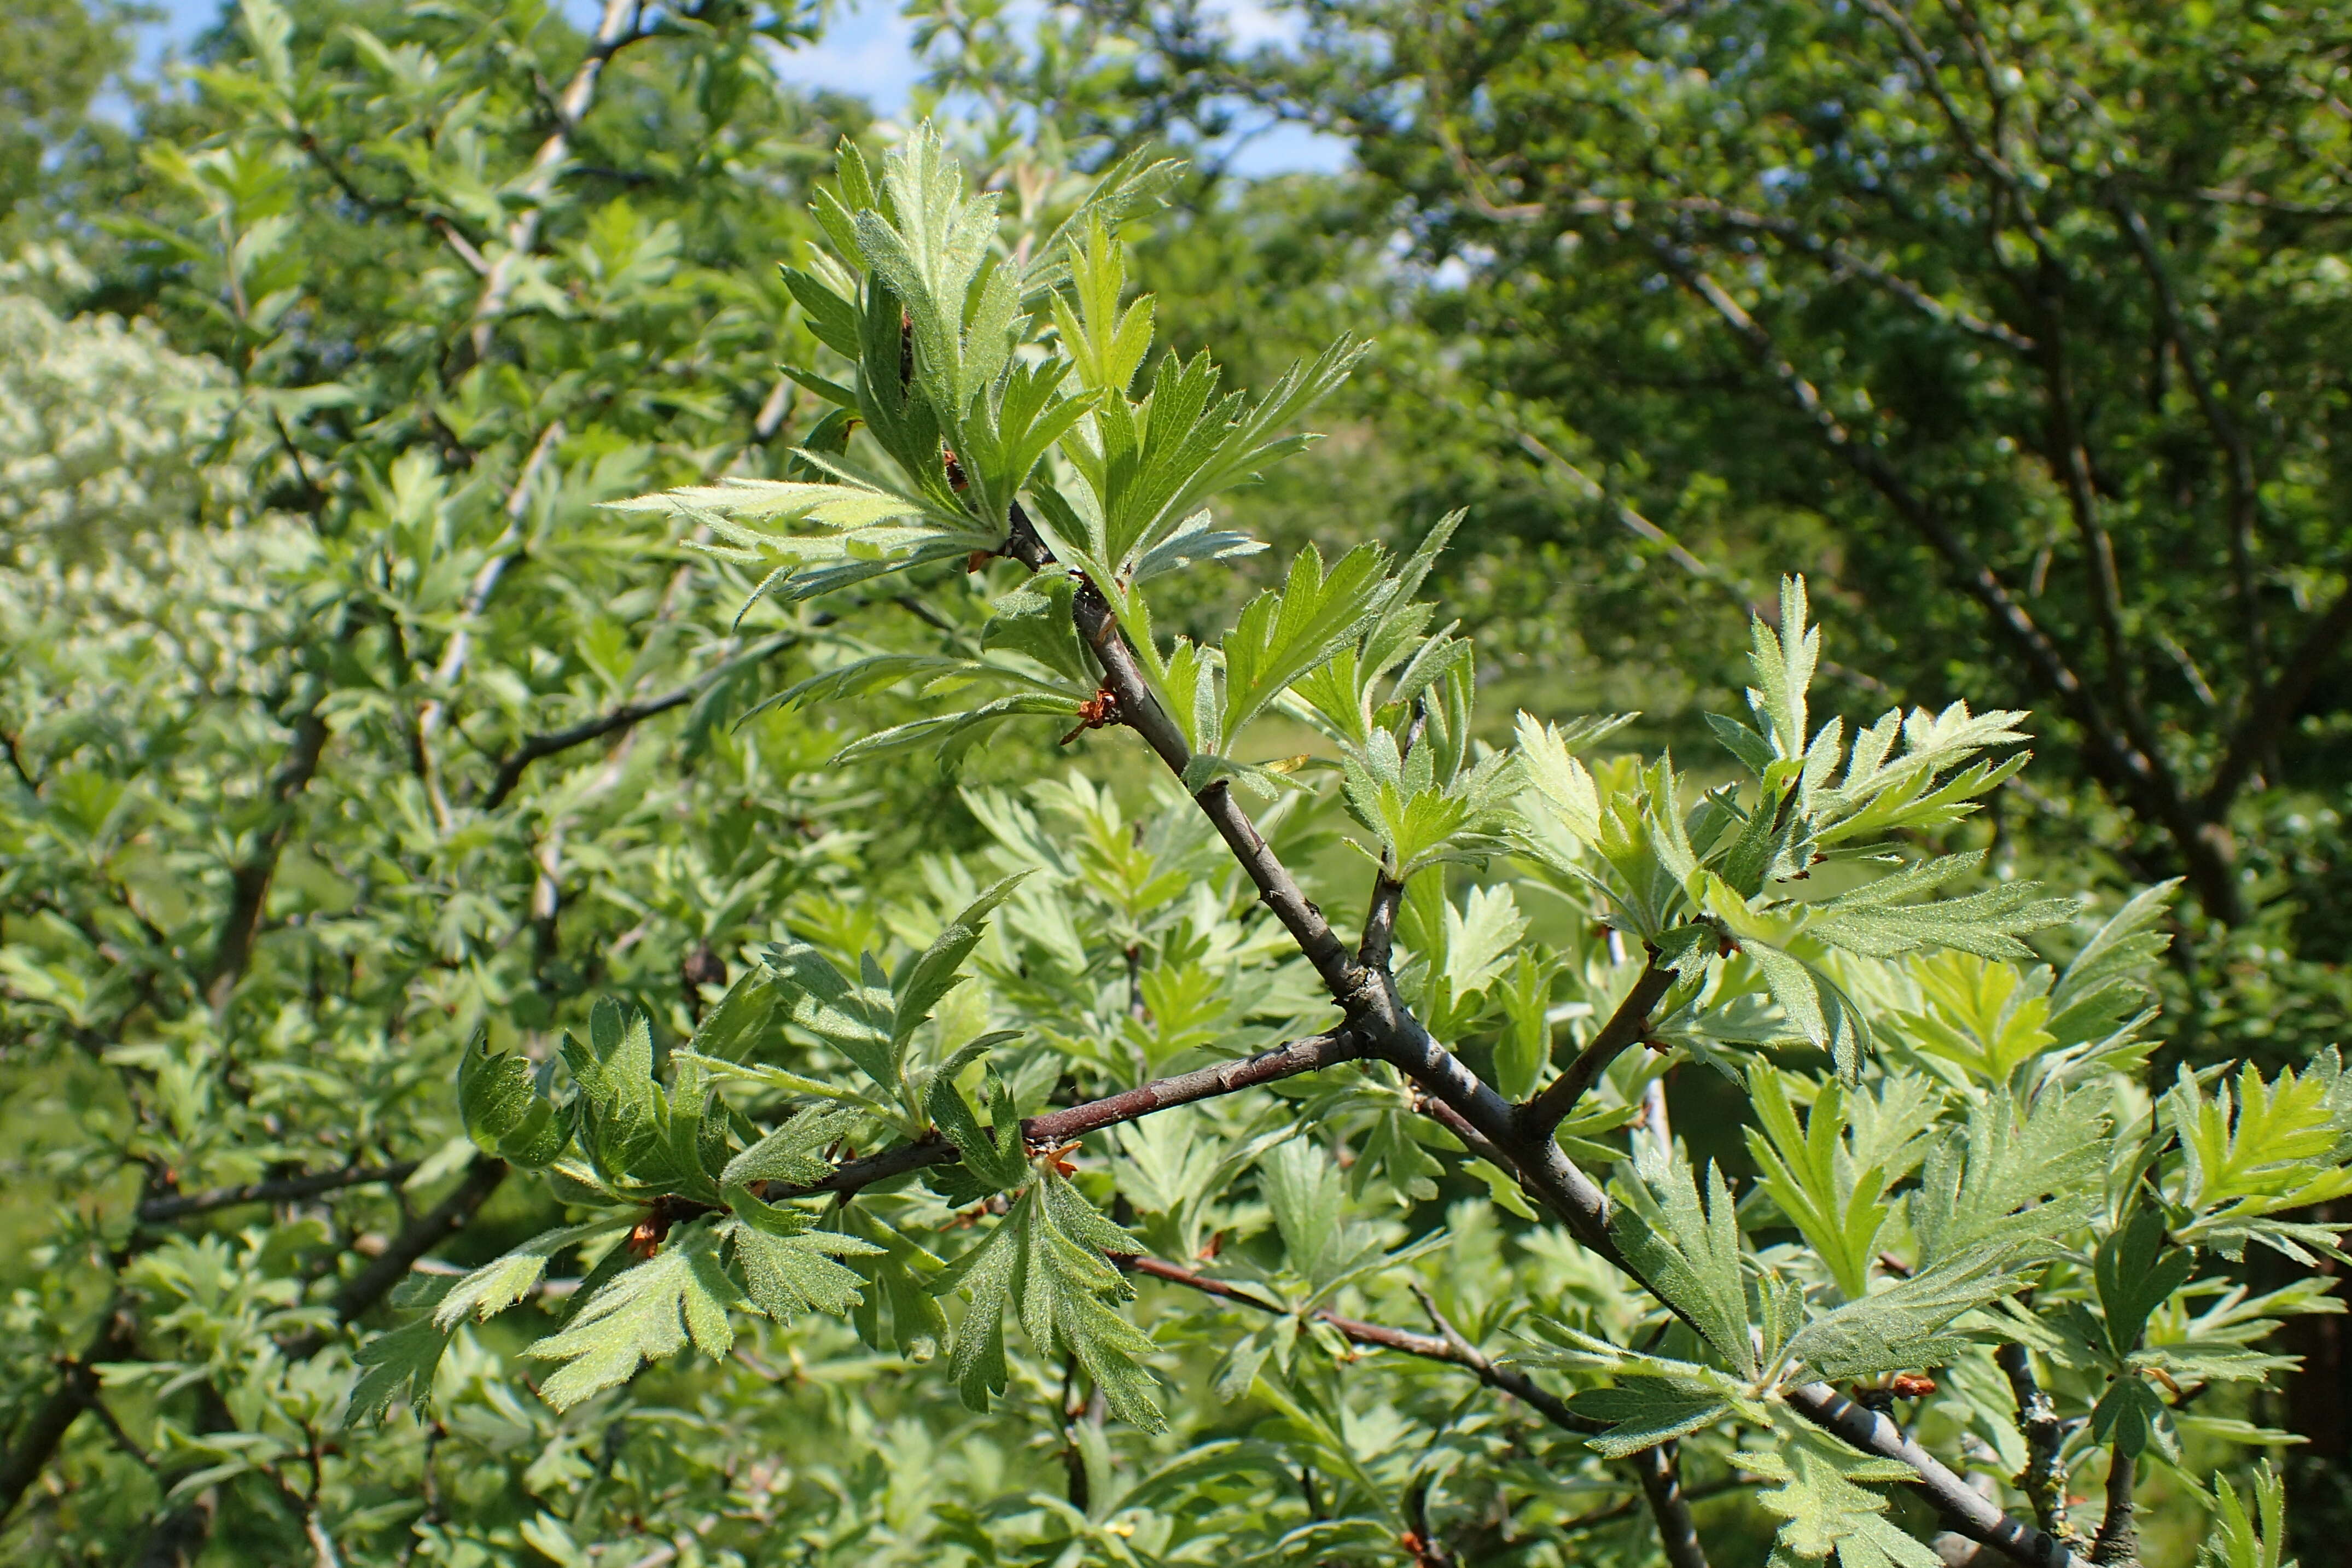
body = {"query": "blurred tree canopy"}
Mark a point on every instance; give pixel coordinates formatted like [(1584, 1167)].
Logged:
[(343, 719), (57, 57), (2019, 322)]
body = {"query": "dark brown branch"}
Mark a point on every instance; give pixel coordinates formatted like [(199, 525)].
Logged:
[(2244, 491), (39, 1437), (1057, 1127), (1470, 1138), (628, 715), (1662, 1486), (248, 881), (2109, 751), (2267, 718), (1309, 1055), (1625, 1027), (1140, 710), (363, 1290), (2118, 1538), (283, 1189)]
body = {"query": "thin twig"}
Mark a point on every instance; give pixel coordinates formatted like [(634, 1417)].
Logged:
[(1140, 710), (626, 715), (16, 762), (1472, 1139), (248, 881), (1056, 1127), (1451, 1350), (1388, 890), (464, 248), (1080, 1486), (1625, 1027), (1658, 1468), (1654, 1467), (1660, 1471), (281, 1189), (503, 552)]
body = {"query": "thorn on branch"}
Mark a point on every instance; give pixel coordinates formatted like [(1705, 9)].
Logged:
[(647, 1235), (1097, 712)]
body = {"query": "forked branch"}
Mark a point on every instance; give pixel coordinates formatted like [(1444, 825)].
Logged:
[(1385, 1029), (1627, 1026)]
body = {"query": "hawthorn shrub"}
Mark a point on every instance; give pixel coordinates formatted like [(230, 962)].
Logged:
[(1113, 1124)]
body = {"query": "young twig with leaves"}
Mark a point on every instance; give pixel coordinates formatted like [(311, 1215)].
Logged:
[(1971, 1244)]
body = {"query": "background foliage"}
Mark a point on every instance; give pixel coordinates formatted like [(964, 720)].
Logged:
[(344, 721)]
